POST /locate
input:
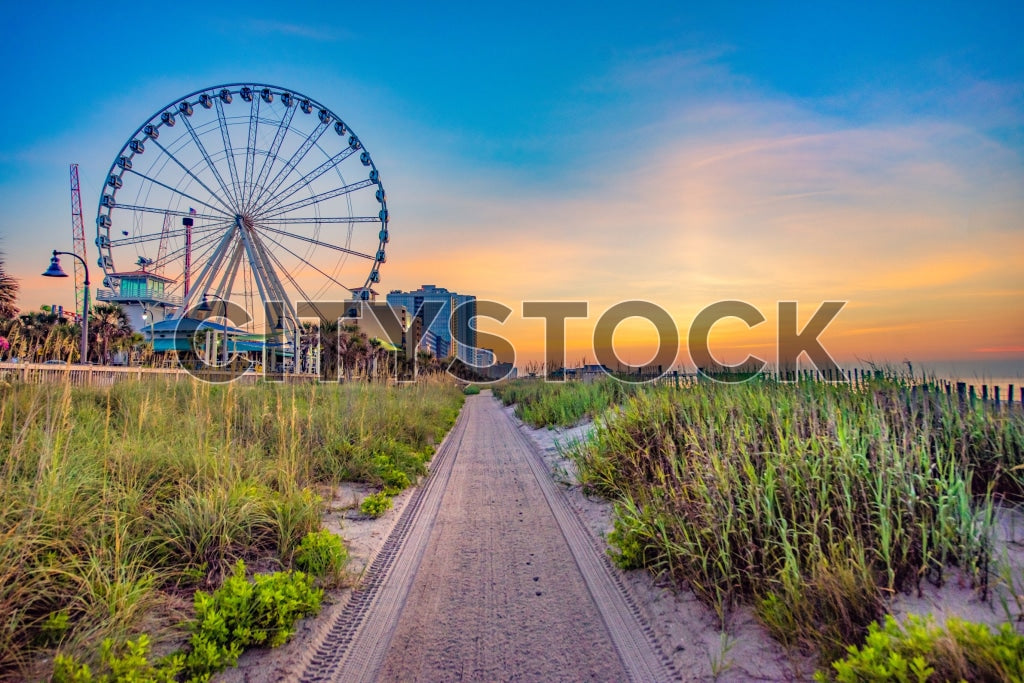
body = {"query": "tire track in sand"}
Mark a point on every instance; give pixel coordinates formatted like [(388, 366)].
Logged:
[(490, 575)]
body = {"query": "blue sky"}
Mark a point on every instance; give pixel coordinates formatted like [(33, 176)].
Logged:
[(615, 150)]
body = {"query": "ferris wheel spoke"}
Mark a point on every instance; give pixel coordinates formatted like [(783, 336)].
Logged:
[(275, 146), (314, 267), (264, 269), (178, 192), (197, 247), (212, 261), (288, 276), (192, 175), (204, 283), (206, 157), (250, 149), (200, 249), (297, 156), (225, 136), (318, 243), (154, 236), (323, 196), (152, 209), (324, 220), (227, 283), (306, 179)]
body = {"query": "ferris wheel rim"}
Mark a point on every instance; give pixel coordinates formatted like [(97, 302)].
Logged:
[(259, 197)]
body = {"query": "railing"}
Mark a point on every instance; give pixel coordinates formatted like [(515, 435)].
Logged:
[(146, 294), (105, 375)]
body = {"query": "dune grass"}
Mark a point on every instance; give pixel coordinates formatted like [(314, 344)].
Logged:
[(811, 502), (117, 503), (562, 404)]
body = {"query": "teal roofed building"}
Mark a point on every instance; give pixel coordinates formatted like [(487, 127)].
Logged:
[(143, 295), (177, 334)]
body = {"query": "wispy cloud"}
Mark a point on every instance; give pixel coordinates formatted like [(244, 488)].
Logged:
[(318, 33)]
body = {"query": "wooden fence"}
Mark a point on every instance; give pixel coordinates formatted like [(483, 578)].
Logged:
[(104, 375)]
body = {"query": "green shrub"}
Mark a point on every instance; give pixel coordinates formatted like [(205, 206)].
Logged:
[(626, 540), (322, 554), (471, 390), (375, 504), (243, 613), (54, 628), (922, 651), (396, 479), (127, 663)]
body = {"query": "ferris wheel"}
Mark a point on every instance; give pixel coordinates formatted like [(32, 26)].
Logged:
[(248, 193)]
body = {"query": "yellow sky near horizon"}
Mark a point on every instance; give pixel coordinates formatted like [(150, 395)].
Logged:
[(896, 222)]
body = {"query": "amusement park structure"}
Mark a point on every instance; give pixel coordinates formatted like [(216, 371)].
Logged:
[(245, 194), (78, 238)]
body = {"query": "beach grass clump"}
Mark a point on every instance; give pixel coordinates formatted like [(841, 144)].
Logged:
[(811, 502), (322, 554), (562, 404), (116, 503)]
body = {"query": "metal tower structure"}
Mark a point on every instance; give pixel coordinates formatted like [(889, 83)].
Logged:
[(161, 252), (77, 236)]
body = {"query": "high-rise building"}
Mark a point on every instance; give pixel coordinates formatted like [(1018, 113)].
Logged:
[(445, 317)]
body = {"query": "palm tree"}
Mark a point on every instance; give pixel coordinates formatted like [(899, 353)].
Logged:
[(109, 326), (8, 293), (330, 348)]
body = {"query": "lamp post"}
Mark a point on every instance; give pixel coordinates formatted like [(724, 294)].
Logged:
[(149, 317), (56, 271)]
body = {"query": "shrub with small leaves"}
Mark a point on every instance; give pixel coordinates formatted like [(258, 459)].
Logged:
[(321, 554), (922, 651), (128, 663), (626, 540), (375, 504), (471, 390), (243, 613), (54, 628), (396, 479)]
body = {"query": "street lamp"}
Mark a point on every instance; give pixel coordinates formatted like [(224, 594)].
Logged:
[(56, 271)]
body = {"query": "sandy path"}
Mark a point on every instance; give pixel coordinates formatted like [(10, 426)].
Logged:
[(498, 595)]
